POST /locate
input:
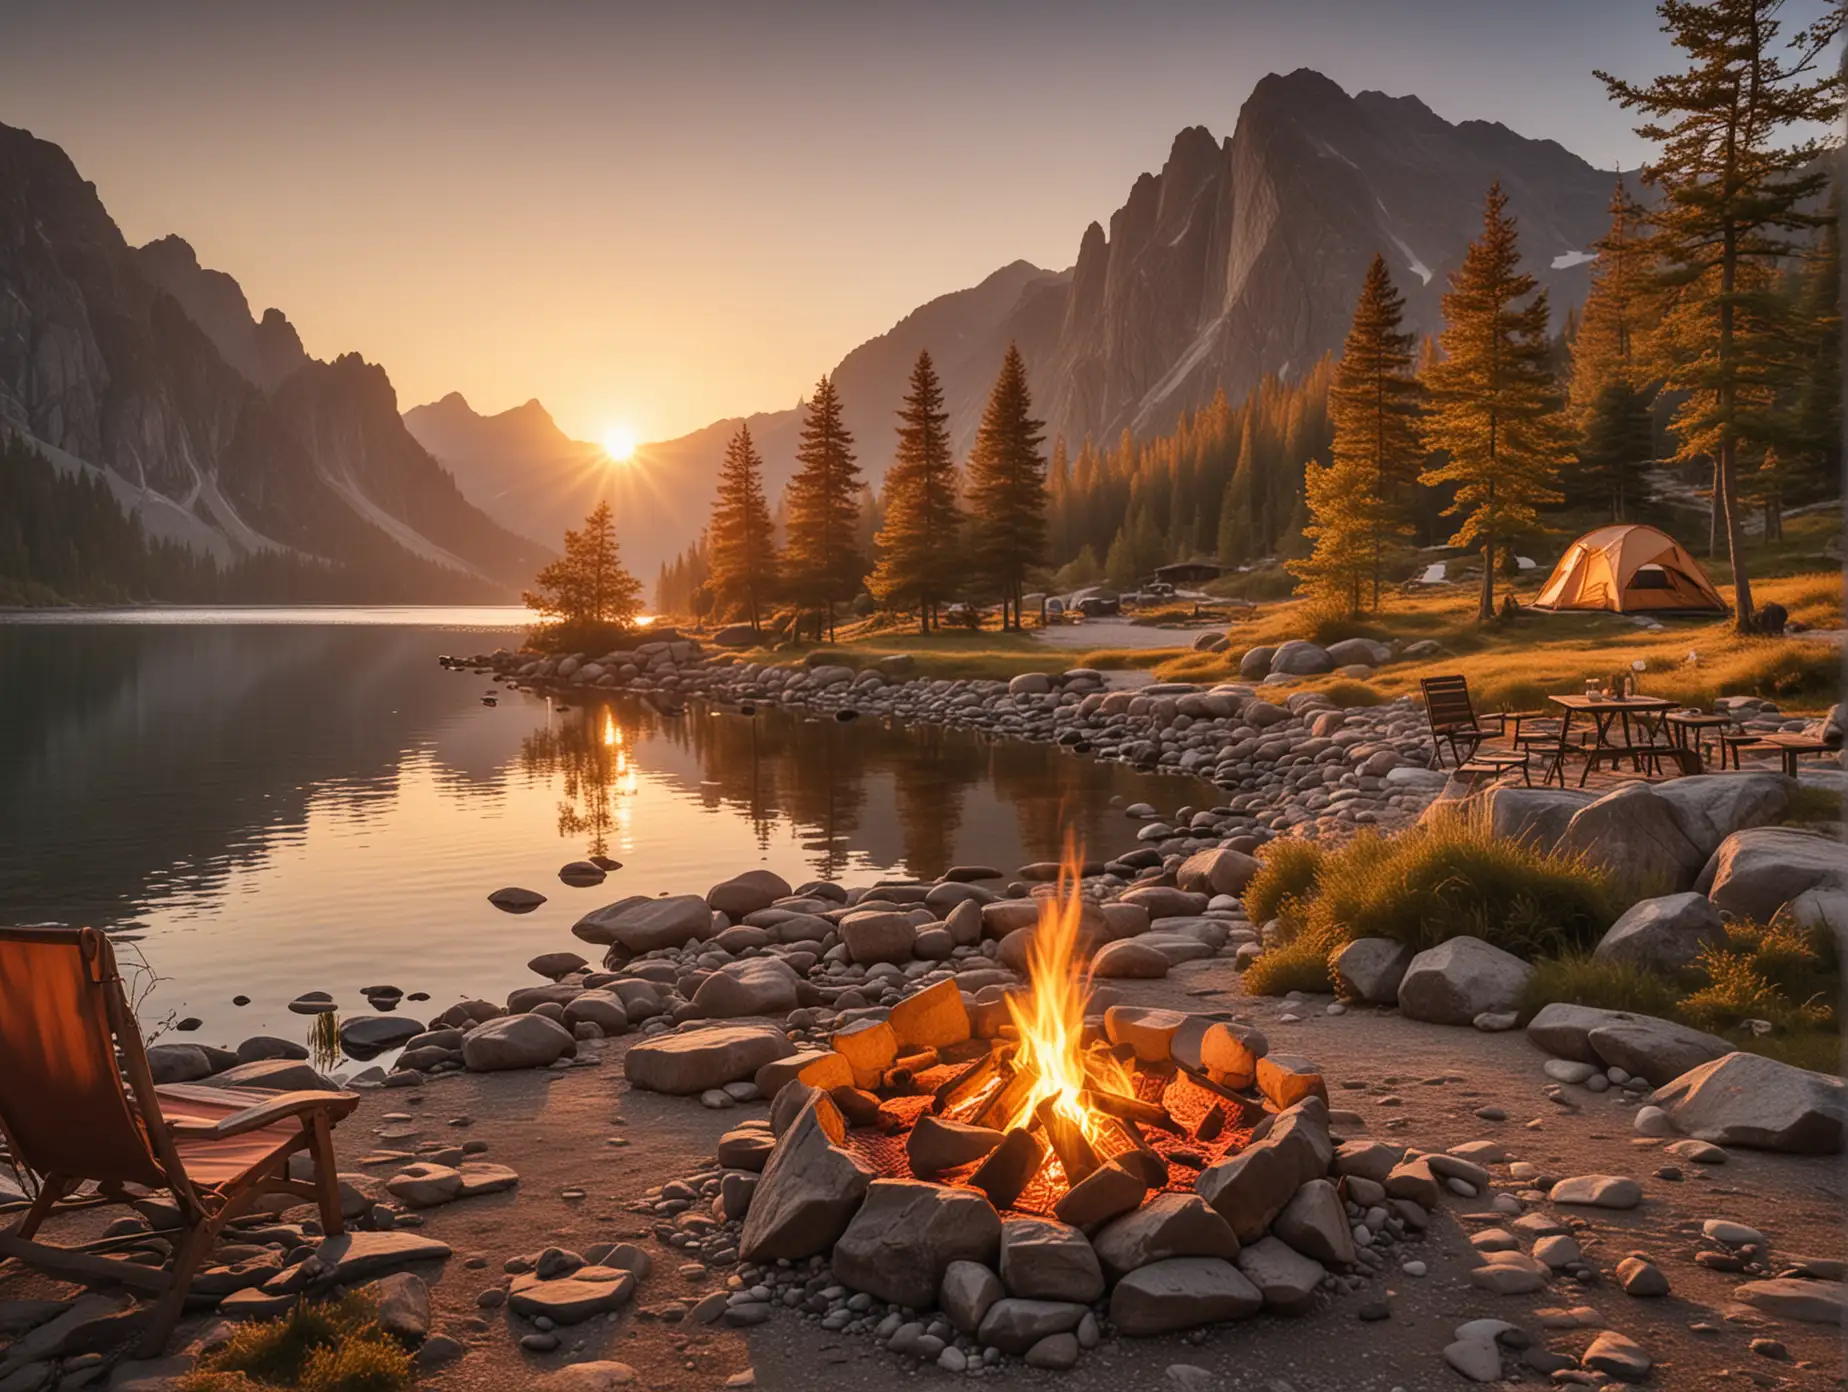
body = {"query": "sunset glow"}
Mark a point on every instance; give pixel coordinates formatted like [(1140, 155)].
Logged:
[(619, 443)]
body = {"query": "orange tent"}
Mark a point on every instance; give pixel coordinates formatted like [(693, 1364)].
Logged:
[(1628, 570)]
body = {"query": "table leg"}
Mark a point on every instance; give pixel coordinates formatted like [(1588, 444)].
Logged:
[(1559, 757)]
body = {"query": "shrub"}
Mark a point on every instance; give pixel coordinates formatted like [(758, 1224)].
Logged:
[(1455, 878), (1518, 694), (1810, 805), (1348, 694), (1776, 972), (1293, 966), (1578, 978), (319, 1346), (1287, 869)]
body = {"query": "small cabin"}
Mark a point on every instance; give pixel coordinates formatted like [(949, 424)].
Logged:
[(1194, 572)]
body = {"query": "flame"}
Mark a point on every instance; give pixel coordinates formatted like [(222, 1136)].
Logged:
[(1050, 1019)]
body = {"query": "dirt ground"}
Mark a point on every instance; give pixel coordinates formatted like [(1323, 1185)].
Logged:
[(1422, 1084)]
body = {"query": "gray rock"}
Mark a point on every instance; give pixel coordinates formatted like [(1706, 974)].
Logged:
[(809, 1192), (966, 1293), (1457, 980), (1634, 835), (642, 924), (1301, 658), (1659, 1050), (1216, 871), (1370, 969), (1283, 1276), (1564, 1031), (1811, 1302), (571, 1298), (1598, 1191), (1230, 1052), (1711, 807), (1538, 816), (877, 936), (1664, 934), (747, 893), (178, 1063), (361, 1256), (906, 1234), (376, 1033), (599, 1376), (516, 1041), (1617, 1355), (1014, 1325), (1749, 1100), (1315, 1223), (1478, 1359), (694, 1061), (1250, 1189), (1043, 1260), (935, 1145), (1755, 873), (1055, 1352), (1165, 1227), (1181, 1293), (755, 986), (404, 1305), (278, 1075)]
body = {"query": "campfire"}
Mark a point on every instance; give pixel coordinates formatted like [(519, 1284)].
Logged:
[(1078, 1114)]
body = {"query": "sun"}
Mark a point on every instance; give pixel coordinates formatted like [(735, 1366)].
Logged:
[(619, 443)]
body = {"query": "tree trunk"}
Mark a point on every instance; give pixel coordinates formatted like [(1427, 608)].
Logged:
[(1713, 514), (1735, 541), (1485, 607)]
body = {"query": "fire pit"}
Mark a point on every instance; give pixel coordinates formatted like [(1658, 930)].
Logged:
[(1047, 1104)]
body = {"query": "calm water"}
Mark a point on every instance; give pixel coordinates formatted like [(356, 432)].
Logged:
[(273, 807)]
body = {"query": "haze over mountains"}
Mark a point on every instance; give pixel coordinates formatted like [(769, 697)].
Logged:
[(1239, 257)]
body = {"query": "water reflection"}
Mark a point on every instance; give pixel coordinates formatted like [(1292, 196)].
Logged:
[(291, 808)]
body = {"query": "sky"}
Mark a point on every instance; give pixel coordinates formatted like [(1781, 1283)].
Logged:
[(654, 216)]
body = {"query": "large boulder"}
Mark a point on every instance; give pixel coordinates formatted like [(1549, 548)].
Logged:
[(1538, 816), (1749, 1100), (1755, 873), (809, 1191), (1454, 982), (1217, 871), (1168, 1225), (1301, 658), (901, 1243), (1712, 806), (1564, 1030), (1255, 665), (878, 935), (755, 986), (747, 893), (1284, 1277), (640, 924), (1636, 836), (516, 1041), (1664, 934), (365, 1035), (1181, 1293), (693, 1061), (1367, 652), (1370, 969)]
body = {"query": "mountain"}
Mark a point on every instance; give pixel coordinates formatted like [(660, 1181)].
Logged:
[(215, 428), (521, 468), (1237, 258)]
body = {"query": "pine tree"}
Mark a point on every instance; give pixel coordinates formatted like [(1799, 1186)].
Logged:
[(742, 539), (1007, 488), (1732, 185), (1609, 404), (822, 562), (1814, 426), (1493, 408), (588, 586), (918, 557), (1345, 518), (1374, 407)]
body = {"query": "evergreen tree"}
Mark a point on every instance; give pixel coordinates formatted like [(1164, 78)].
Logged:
[(588, 586), (1374, 407), (1346, 516), (822, 562), (1611, 397), (1007, 488), (1732, 185), (1493, 409), (1814, 426), (919, 562), (741, 538)]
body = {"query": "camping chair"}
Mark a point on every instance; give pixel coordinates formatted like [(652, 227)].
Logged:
[(1453, 719), (85, 1124)]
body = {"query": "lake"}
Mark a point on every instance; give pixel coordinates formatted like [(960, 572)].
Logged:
[(270, 802)]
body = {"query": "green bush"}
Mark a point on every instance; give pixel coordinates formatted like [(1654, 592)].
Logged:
[(1578, 978), (1287, 870), (319, 1346), (1293, 966), (1348, 694), (1455, 878)]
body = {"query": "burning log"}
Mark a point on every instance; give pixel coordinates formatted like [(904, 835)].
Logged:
[(1115, 1104), (1010, 1167), (1076, 1156), (1195, 1076), (900, 1081), (1005, 1102), (966, 1083)]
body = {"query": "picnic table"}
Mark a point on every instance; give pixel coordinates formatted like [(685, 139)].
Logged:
[(1607, 713)]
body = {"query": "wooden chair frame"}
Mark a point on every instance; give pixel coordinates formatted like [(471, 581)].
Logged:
[(204, 1209), (1452, 719)]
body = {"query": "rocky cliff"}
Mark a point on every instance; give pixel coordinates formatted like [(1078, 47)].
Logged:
[(214, 427)]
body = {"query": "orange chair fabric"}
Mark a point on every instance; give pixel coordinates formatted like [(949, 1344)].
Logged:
[(1629, 570), (210, 1163), (61, 1094)]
